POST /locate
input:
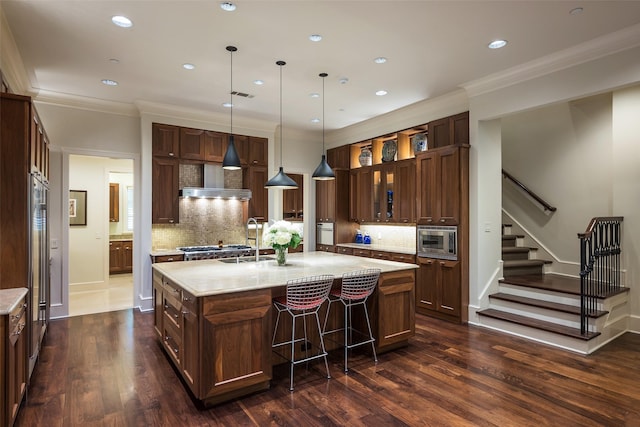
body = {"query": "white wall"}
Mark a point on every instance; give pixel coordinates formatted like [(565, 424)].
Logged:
[(123, 176)]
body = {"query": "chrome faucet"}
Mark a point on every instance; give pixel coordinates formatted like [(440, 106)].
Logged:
[(255, 239)]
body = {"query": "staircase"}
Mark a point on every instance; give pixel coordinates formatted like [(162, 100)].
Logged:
[(545, 307)]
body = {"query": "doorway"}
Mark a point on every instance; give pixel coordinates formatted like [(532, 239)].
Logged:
[(101, 235)]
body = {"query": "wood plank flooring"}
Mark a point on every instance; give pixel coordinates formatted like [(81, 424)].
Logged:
[(109, 370)]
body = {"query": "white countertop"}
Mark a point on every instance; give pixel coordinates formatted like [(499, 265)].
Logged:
[(379, 247), (213, 277), (9, 299)]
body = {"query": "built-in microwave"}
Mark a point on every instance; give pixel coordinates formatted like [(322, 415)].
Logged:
[(436, 241)]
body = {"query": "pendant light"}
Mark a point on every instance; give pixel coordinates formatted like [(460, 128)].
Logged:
[(323, 172), (281, 180), (231, 159)]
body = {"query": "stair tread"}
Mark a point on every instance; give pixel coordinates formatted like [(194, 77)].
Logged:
[(524, 262), (538, 324), (517, 249), (552, 282), (534, 302), (512, 236)]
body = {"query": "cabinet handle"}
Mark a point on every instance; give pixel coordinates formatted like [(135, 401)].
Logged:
[(171, 221), (186, 299), (166, 306), (429, 262), (429, 220), (442, 263), (442, 220), (171, 154), (169, 259), (175, 315)]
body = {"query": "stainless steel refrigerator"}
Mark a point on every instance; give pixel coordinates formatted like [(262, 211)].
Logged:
[(38, 266)]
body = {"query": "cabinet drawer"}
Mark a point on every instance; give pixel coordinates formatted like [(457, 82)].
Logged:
[(380, 255), (167, 258), (17, 322), (411, 259), (189, 302), (172, 310), (362, 252), (172, 290), (344, 251), (172, 341)]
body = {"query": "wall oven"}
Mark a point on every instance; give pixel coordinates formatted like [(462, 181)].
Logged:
[(437, 242), (324, 233)]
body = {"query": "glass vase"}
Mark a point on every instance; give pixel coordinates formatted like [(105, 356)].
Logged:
[(281, 256)]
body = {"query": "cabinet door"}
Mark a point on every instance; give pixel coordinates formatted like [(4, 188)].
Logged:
[(460, 128), (426, 284), (191, 144), (165, 140), (190, 348), (114, 202), (339, 157), (364, 194), (326, 200), (449, 186), (254, 179), (450, 287), (404, 203), (383, 177), (115, 257), (236, 344), (215, 146), (396, 308), (241, 143), (292, 200), (158, 309), (258, 151), (127, 256), (427, 187), (164, 193), (439, 133)]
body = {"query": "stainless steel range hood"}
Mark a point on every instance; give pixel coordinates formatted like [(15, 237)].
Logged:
[(214, 187)]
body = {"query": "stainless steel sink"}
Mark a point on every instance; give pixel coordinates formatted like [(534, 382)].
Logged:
[(245, 259)]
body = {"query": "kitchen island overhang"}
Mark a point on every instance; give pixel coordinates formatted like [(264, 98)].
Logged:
[(214, 318)]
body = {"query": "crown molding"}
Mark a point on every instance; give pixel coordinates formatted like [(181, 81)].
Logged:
[(600, 47), (86, 103), (218, 120)]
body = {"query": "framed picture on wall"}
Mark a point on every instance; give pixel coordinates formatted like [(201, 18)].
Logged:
[(77, 207)]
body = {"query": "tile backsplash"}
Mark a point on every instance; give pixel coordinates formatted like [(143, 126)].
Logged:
[(392, 236)]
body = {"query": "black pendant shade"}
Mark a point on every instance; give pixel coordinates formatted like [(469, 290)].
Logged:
[(281, 180), (231, 159), (323, 172)]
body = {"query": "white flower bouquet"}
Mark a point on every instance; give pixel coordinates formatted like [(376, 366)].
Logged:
[(281, 236)]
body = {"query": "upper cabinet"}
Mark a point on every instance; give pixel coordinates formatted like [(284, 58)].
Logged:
[(258, 151), (339, 158), (215, 146), (114, 202), (292, 200), (165, 140), (192, 143), (449, 131)]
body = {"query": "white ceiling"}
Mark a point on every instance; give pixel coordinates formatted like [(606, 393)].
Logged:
[(433, 47)]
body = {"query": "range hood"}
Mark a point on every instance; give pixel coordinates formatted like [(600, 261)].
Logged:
[(214, 187)]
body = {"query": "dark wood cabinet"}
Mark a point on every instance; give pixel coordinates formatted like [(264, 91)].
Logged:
[(258, 151), (339, 157), (165, 190), (192, 144), (114, 202), (120, 256), (442, 185), (404, 203), (439, 289), (167, 258), (361, 201), (324, 248), (38, 148), (215, 146), (395, 321), (450, 130), (13, 362), (292, 200), (165, 140), (325, 200), (254, 178)]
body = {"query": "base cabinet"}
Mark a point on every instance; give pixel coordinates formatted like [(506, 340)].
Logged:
[(13, 359), (120, 256), (439, 289), (396, 320)]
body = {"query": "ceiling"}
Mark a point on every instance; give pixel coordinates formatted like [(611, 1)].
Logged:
[(432, 47)]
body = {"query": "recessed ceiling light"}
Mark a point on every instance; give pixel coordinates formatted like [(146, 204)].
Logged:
[(109, 82), (121, 21), (343, 80), (576, 11), (381, 92), (380, 60), (340, 109), (315, 37), (114, 61), (227, 105), (258, 82), (228, 6), (497, 44), (188, 66), (314, 95), (315, 120)]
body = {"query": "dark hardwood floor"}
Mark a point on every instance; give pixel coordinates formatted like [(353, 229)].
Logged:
[(109, 370)]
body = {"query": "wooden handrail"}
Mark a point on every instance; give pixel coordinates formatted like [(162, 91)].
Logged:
[(595, 221), (534, 196)]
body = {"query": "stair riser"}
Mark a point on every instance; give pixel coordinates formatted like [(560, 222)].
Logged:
[(542, 294), (545, 337), (522, 271), (553, 316), (515, 256)]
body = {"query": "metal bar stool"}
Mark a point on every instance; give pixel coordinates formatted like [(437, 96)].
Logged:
[(356, 288), (304, 298)]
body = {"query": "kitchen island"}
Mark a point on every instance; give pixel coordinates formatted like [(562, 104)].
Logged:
[(214, 319)]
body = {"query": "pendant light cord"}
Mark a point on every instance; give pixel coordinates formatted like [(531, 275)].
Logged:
[(323, 76), (231, 94), (281, 64)]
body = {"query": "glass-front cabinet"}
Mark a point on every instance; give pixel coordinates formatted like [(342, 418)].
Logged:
[(383, 193)]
